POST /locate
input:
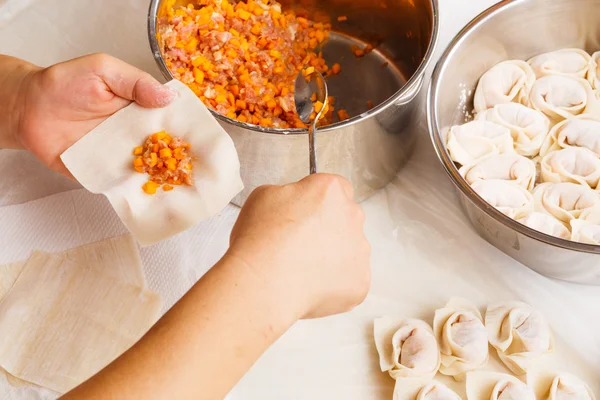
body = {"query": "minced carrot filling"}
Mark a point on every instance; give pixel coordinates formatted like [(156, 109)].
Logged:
[(241, 58), (166, 159)]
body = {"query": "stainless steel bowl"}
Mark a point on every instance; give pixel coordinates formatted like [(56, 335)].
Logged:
[(369, 148), (517, 29)]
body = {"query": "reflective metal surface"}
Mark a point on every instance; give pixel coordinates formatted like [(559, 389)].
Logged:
[(369, 148), (512, 30)]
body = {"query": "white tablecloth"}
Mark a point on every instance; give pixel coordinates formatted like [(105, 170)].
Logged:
[(424, 250)]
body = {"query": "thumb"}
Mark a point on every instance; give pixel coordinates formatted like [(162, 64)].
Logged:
[(131, 83)]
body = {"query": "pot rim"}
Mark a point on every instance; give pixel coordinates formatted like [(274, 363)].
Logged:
[(444, 157), (414, 80)]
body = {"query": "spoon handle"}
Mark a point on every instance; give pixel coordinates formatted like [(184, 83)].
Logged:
[(312, 147)]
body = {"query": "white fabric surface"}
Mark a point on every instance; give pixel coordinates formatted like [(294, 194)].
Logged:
[(424, 250)]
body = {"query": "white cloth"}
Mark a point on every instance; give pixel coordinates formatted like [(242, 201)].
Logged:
[(424, 250)]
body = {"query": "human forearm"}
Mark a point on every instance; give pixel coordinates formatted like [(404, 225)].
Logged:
[(14, 75), (203, 345)]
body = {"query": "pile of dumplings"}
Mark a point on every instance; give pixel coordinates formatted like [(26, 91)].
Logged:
[(533, 149), (457, 346)]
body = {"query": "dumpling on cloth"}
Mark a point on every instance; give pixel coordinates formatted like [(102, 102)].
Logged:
[(581, 131), (586, 228), (507, 82), (527, 126), (574, 63), (483, 385), (508, 166), (475, 140), (416, 390), (407, 348), (572, 164), (462, 338), (512, 200), (564, 201), (562, 97), (103, 162), (519, 333), (549, 385), (594, 71), (547, 224)]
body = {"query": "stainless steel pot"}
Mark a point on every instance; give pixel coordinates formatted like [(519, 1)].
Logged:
[(517, 29), (369, 148)]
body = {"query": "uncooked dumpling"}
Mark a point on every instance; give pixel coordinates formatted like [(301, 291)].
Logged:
[(572, 164), (508, 166), (528, 127), (509, 81), (562, 97), (574, 63), (586, 229), (423, 389), (549, 385), (483, 385), (407, 348), (547, 224), (564, 201), (475, 140), (510, 199), (594, 72), (581, 131), (519, 333), (462, 338)]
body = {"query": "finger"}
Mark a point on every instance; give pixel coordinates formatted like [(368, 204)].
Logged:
[(328, 179), (131, 83)]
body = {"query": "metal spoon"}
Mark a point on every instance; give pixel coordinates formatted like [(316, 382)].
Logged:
[(308, 82)]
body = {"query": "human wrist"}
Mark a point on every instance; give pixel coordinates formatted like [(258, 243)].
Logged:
[(15, 78)]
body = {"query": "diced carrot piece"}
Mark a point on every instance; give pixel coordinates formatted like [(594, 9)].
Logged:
[(150, 187), (165, 153), (138, 162), (336, 68), (138, 151), (167, 188), (171, 164), (342, 18), (153, 159), (343, 115)]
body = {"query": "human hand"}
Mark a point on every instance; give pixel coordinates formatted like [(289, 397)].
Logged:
[(60, 104), (306, 242)]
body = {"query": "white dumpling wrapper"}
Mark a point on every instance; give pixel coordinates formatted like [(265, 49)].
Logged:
[(562, 97), (550, 385), (574, 63), (547, 224), (572, 164), (418, 389), (507, 82), (475, 140), (152, 218), (582, 131), (564, 201), (519, 333), (586, 229), (407, 348), (594, 71), (462, 338), (484, 385), (508, 166), (527, 126), (512, 200)]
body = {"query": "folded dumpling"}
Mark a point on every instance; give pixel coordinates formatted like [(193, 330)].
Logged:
[(418, 389), (581, 131), (478, 139), (572, 164), (562, 97), (547, 224), (509, 81), (510, 199), (564, 201), (594, 72), (407, 348), (586, 228), (549, 385), (484, 385), (519, 333), (527, 126), (462, 338), (508, 166), (566, 62)]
